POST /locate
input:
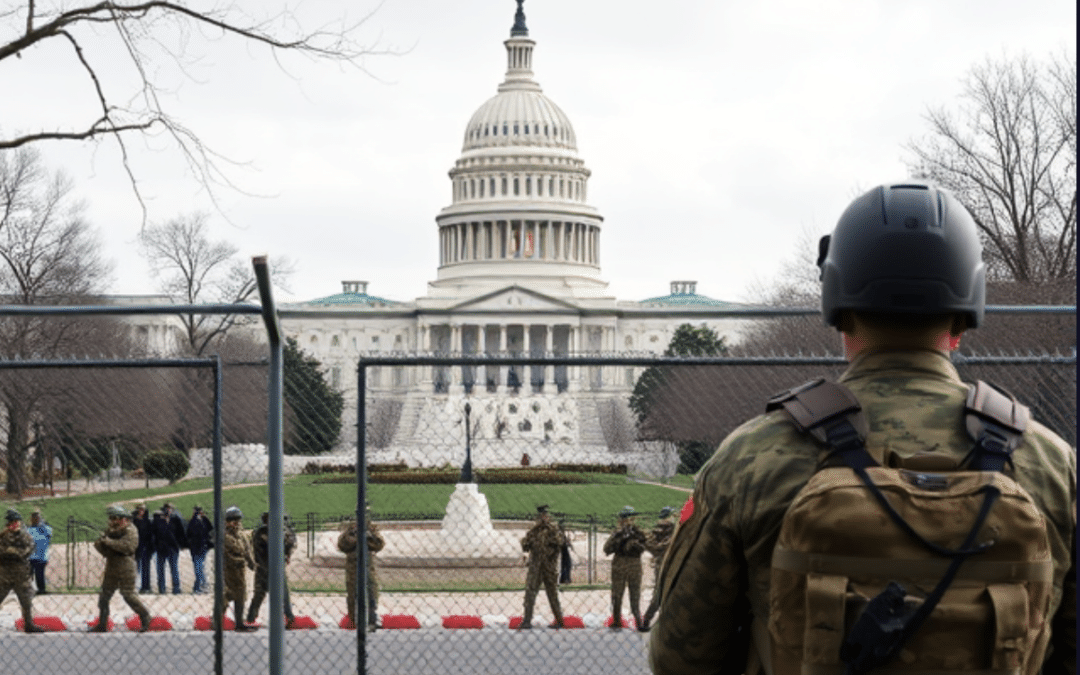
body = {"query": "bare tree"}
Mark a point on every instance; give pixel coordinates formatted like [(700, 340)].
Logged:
[(796, 285), (147, 36), (48, 255), (1008, 152), (196, 269)]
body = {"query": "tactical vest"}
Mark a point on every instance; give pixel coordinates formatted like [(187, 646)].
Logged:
[(919, 566)]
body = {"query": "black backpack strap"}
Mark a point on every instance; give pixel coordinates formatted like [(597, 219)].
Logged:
[(996, 421)]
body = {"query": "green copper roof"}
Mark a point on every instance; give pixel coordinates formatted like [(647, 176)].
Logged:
[(688, 300), (353, 299)]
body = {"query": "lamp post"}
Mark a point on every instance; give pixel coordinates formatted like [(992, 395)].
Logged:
[(466, 468)]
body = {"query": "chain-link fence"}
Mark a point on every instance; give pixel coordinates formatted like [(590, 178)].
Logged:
[(460, 451)]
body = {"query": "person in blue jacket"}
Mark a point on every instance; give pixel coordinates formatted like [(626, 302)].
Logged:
[(41, 533)]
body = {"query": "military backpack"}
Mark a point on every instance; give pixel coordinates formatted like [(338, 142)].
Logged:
[(917, 565)]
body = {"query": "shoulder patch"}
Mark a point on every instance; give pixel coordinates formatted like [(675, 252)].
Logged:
[(687, 510)]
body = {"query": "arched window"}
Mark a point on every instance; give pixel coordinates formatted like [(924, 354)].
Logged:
[(335, 341), (516, 191)]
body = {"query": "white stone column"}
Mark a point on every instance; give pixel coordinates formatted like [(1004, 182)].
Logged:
[(455, 349), (573, 373), (549, 371), (485, 348), (501, 383), (426, 375), (526, 371)]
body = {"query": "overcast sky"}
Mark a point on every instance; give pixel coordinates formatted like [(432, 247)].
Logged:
[(716, 131)]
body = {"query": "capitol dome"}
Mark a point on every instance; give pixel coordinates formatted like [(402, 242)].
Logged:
[(519, 115), (519, 210)]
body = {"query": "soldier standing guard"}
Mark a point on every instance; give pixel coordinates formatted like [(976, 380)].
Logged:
[(260, 544), (347, 544), (656, 544), (627, 543), (237, 556), (118, 545), (544, 543), (16, 545)]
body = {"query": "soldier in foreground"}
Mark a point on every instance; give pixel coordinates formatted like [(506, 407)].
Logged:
[(626, 543), (656, 543), (237, 557), (543, 543), (750, 568), (16, 545), (118, 544), (349, 545), (260, 544)]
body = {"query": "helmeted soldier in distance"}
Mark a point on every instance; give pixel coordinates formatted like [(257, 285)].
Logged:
[(16, 545), (118, 544), (237, 557), (543, 543), (902, 279), (348, 544), (625, 545), (260, 544)]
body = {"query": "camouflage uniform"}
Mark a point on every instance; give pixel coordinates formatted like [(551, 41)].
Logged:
[(118, 544), (347, 544), (237, 557), (656, 543), (543, 542), (627, 544), (720, 556), (15, 549), (260, 544)]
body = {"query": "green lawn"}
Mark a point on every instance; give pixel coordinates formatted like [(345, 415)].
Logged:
[(599, 500)]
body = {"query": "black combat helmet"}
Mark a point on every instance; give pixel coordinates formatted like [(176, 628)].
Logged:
[(906, 248)]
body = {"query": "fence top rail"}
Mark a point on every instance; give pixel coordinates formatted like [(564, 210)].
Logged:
[(120, 310), (640, 360), (111, 363)]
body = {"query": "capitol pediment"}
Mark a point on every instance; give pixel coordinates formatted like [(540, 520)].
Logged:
[(514, 298)]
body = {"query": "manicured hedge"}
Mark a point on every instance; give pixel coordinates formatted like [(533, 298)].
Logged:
[(451, 475)]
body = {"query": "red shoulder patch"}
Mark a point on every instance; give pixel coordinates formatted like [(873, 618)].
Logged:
[(687, 510)]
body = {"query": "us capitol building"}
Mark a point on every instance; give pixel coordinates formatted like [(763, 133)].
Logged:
[(519, 273)]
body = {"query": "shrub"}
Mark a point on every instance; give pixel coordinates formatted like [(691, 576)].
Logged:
[(170, 464)]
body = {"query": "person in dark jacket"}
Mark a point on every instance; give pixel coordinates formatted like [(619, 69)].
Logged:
[(200, 530), (167, 546), (144, 554)]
